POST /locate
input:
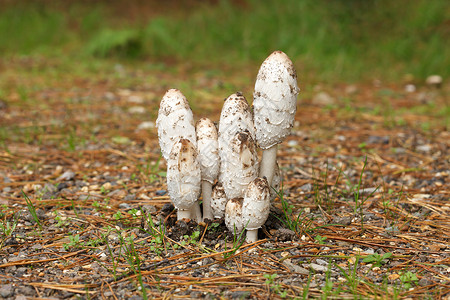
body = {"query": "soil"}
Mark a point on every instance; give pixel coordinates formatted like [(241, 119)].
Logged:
[(85, 214)]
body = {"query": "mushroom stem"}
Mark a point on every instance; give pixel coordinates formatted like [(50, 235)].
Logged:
[(183, 214), (252, 235), (206, 195), (268, 163), (196, 212)]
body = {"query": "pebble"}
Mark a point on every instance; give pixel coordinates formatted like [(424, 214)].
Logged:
[(67, 175), (410, 88), (161, 192), (374, 139), (124, 205), (107, 186), (136, 110), (6, 290), (149, 208), (146, 125), (129, 197), (424, 148), (318, 268), (136, 99), (306, 187), (424, 281), (351, 89), (323, 98), (321, 262)]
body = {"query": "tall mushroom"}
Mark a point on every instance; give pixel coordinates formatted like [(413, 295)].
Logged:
[(175, 120), (237, 152), (274, 107), (255, 207), (235, 117), (239, 166), (183, 177), (207, 146)]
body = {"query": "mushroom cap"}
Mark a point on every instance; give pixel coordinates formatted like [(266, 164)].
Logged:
[(233, 215), (218, 201), (207, 146), (235, 116), (239, 166), (175, 120), (256, 204), (183, 174), (275, 99)]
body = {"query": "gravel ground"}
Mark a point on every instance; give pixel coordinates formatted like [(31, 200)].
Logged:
[(365, 210)]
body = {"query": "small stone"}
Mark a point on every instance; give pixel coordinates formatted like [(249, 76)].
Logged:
[(292, 143), (107, 186), (351, 89), (424, 282), (306, 187), (149, 208), (67, 175), (110, 96), (136, 99), (240, 295), (20, 297), (410, 88), (6, 290), (342, 220), (161, 192), (321, 262), (136, 110), (284, 234), (318, 268), (125, 206), (424, 148), (323, 98), (146, 125)]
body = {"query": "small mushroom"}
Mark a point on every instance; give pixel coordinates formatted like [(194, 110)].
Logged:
[(255, 207), (233, 215), (274, 107), (183, 177), (218, 201), (207, 146), (239, 166), (175, 120)]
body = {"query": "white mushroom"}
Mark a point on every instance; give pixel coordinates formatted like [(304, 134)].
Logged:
[(175, 120), (207, 146), (218, 201), (235, 117), (239, 166), (255, 207), (183, 177), (233, 215), (274, 107)]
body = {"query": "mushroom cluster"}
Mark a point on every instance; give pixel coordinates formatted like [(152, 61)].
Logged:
[(222, 165)]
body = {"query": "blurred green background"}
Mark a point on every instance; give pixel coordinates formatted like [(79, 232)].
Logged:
[(341, 40)]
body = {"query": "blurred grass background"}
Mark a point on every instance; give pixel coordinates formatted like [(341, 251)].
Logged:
[(328, 40)]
